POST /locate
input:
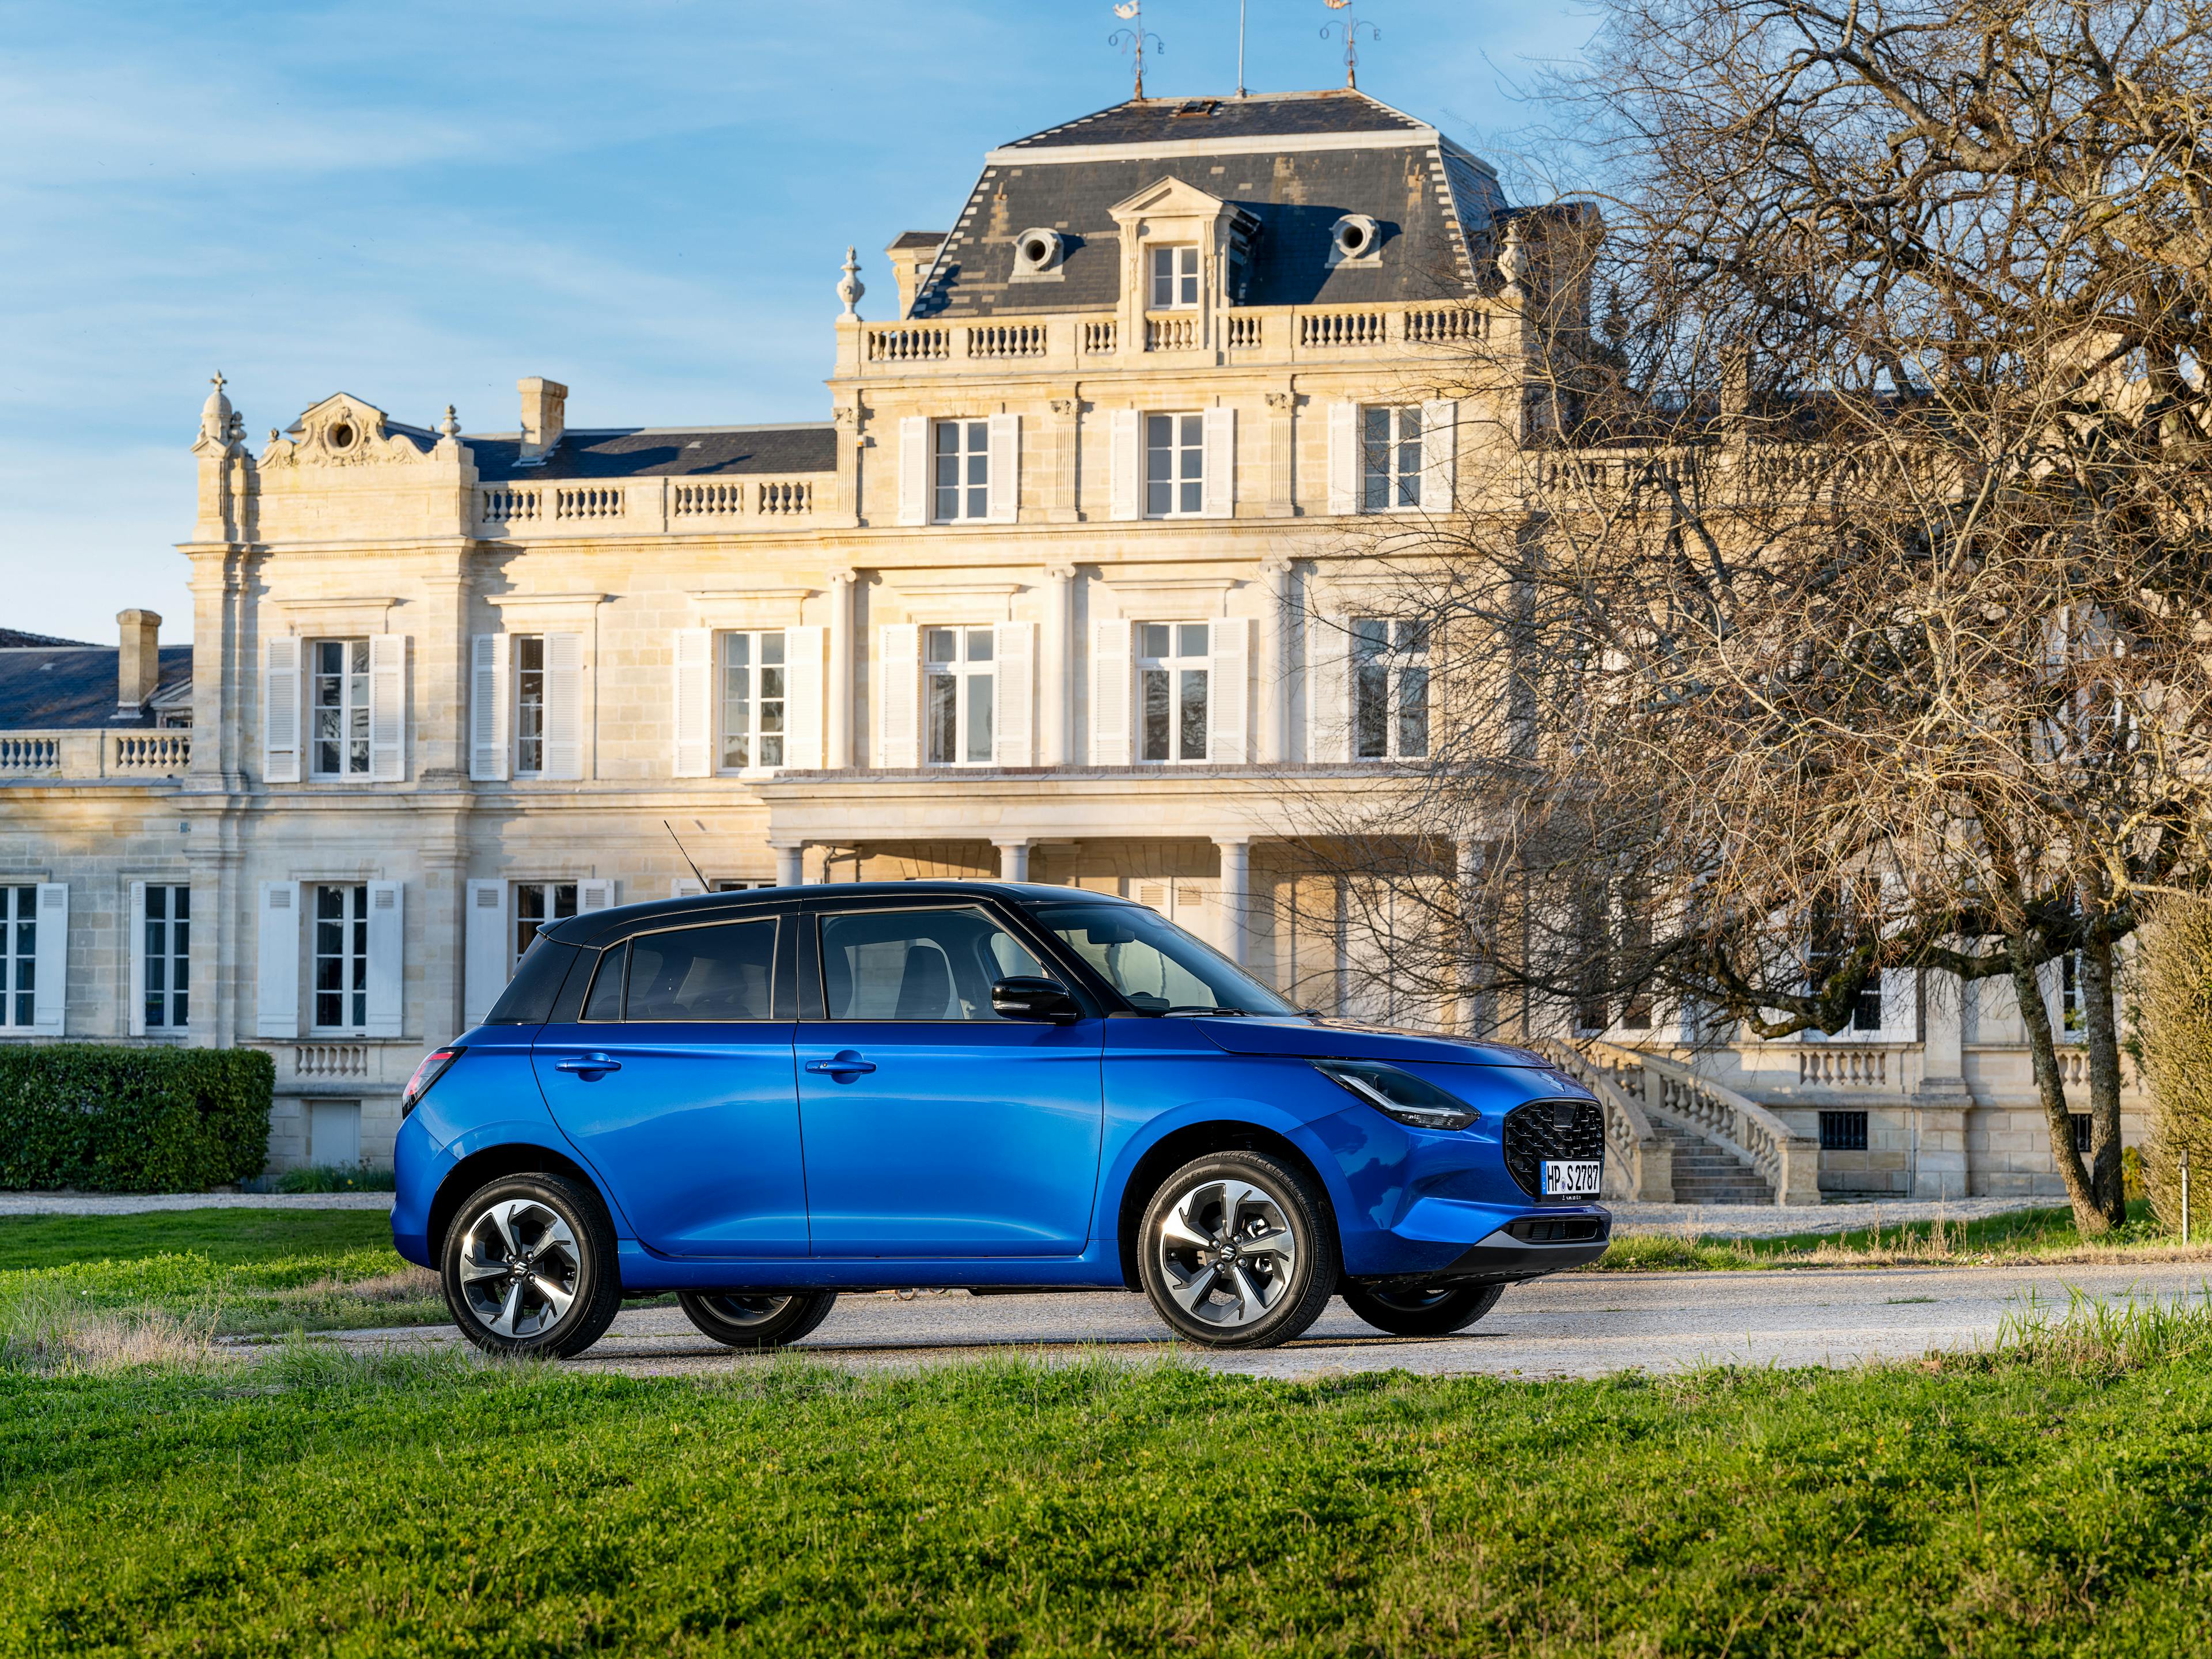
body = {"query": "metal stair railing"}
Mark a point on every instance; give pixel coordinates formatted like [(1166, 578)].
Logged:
[(1674, 1094)]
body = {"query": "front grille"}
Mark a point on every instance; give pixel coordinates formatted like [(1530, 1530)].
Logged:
[(1561, 1131), (1568, 1229)]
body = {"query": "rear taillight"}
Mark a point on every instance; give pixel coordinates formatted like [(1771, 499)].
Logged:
[(432, 1068)]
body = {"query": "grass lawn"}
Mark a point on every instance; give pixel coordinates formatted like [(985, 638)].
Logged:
[(232, 1272), (2045, 1234), (433, 1505)]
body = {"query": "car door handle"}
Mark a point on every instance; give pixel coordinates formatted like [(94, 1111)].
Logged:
[(589, 1065), (845, 1065)]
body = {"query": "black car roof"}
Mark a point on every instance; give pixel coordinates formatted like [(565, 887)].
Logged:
[(599, 928)]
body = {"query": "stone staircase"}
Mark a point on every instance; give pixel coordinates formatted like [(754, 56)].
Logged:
[(1705, 1173)]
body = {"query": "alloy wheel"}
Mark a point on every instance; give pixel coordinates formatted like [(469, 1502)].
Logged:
[(520, 1268), (1227, 1252), (745, 1311)]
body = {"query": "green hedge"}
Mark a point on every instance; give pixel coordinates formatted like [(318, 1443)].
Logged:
[(107, 1119)]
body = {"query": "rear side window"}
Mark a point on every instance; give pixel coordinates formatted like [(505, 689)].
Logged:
[(724, 973), (529, 997), (917, 964)]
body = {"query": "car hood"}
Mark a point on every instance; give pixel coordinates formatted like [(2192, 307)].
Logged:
[(1339, 1039)]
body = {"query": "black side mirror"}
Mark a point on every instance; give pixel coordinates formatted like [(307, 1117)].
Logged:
[(1026, 996)]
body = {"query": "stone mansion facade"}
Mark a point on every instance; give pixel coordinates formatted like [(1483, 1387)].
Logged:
[(1064, 587)]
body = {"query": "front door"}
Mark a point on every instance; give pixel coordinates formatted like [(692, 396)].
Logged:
[(676, 1085), (933, 1126)]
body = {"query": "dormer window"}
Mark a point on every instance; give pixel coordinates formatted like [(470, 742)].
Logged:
[(1175, 278)]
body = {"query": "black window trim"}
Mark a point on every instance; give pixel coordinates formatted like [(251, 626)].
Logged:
[(814, 988), (779, 975)]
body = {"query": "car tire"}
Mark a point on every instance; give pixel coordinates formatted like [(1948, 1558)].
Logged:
[(1237, 1249), (1422, 1310), (529, 1266), (739, 1319)]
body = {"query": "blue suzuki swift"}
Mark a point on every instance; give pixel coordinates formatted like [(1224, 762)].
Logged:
[(757, 1100)]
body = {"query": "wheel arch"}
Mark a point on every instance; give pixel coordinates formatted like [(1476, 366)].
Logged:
[(1178, 1147), (507, 1157)]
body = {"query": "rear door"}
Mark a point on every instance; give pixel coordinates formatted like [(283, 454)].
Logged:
[(933, 1126), (675, 1084)]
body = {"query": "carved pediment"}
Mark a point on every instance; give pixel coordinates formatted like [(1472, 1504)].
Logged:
[(1169, 199), (342, 431)]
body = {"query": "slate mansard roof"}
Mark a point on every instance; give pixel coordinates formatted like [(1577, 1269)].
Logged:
[(1295, 161), (638, 451), (47, 689)]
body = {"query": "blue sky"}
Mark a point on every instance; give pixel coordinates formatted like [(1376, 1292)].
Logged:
[(419, 202)]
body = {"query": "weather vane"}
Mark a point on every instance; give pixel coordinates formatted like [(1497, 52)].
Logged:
[(1135, 37), (1351, 26)]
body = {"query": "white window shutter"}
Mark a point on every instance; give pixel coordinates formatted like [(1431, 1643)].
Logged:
[(1219, 491), (686, 887), (1126, 472), (694, 712), (1439, 454), (137, 1010), (485, 956), (1344, 458), (276, 991), (387, 707), (1229, 699), (1006, 468), (387, 952), (488, 707), (564, 706), (280, 710), (595, 896), (1109, 694), (1014, 648), (914, 469), (898, 691), (803, 684), (1328, 670), (1900, 1006), (50, 964)]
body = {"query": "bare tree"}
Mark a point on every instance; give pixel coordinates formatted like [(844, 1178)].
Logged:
[(1839, 602)]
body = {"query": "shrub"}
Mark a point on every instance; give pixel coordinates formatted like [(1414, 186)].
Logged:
[(2176, 1052), (120, 1119), (331, 1178)]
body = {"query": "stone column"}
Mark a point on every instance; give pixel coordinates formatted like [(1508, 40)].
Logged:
[(1066, 437), (1282, 451), (1235, 852), (1273, 741), (1055, 666), (1942, 1101), (838, 721), (1467, 1015), (1013, 859), (790, 863)]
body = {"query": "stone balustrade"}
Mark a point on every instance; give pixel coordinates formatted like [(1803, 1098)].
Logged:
[(1259, 336), (535, 511), (1641, 1169), (1672, 1093), (84, 756)]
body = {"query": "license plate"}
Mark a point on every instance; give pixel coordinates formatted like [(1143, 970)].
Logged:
[(1571, 1179)]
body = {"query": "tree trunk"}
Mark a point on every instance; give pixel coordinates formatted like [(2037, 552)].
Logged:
[(2043, 1049), (2106, 1182)]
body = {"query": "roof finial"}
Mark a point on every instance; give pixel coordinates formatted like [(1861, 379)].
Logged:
[(216, 412), (1350, 26), (1134, 38), (451, 426), (851, 288)]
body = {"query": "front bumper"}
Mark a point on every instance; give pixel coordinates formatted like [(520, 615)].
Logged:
[(1527, 1248)]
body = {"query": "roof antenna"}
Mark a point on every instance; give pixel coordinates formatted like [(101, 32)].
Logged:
[(1135, 39), (1351, 26), (1240, 47), (679, 840)]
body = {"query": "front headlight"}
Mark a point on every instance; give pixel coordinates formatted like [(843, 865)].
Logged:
[(1399, 1095)]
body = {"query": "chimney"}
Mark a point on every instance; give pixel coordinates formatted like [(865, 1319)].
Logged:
[(138, 666), (544, 412), (911, 256)]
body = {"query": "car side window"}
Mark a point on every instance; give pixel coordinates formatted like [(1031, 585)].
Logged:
[(724, 973), (605, 1003), (917, 964)]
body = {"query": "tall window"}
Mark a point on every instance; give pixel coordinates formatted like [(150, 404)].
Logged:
[(19, 955), (167, 949), (963, 470), (1391, 457), (1173, 671), (340, 708), (529, 704), (535, 904), (341, 958), (1853, 908), (1390, 688), (752, 700), (2073, 1018), (959, 688), (1174, 465), (1175, 278)]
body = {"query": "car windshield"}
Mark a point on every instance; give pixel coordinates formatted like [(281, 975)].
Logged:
[(1155, 965)]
